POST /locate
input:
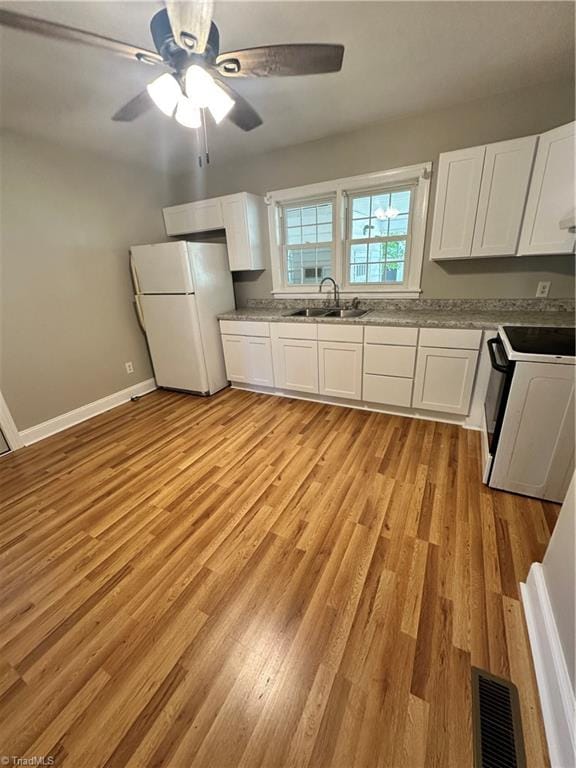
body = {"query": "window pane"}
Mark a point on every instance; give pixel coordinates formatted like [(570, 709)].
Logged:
[(325, 233), (398, 225), (395, 250), (324, 213), (360, 207), (401, 200), (359, 253), (394, 272), (309, 234), (309, 214), (361, 228), (307, 266), (377, 252), (293, 217), (293, 235)]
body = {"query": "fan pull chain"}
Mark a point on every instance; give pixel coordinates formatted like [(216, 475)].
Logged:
[(204, 139)]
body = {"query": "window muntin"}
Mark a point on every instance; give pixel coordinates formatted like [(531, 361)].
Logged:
[(308, 241), (378, 231)]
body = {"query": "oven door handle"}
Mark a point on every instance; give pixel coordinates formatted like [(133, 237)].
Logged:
[(495, 364)]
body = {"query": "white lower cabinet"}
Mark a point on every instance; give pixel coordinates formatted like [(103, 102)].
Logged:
[(340, 369), (248, 360), (296, 364), (444, 379)]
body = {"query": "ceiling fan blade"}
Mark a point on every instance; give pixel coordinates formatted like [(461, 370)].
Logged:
[(71, 34), (190, 21), (242, 113), (281, 60), (133, 108)]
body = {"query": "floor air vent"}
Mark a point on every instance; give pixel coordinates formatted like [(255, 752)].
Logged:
[(498, 741)]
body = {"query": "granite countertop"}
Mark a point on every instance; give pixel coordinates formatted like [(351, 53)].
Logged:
[(440, 318)]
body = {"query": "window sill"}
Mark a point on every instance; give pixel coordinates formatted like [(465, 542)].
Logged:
[(402, 293)]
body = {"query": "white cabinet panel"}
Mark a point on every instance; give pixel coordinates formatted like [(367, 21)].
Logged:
[(236, 225), (295, 364), (338, 332), (388, 390), (189, 218), (444, 379), (235, 358), (535, 455), (244, 328), (374, 334), (551, 198), (388, 360), (505, 180), (457, 193), (294, 330), (258, 354), (457, 338), (340, 369)]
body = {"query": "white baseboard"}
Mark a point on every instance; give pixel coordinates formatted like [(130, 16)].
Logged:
[(556, 694), (57, 424)]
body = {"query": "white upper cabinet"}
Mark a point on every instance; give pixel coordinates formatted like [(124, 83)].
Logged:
[(457, 193), (244, 218), (505, 180), (550, 206), (190, 218), (246, 231)]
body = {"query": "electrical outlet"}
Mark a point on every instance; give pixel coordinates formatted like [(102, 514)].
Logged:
[(129, 367), (543, 289)]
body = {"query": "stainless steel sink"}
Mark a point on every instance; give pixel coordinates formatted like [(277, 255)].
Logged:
[(311, 312), (346, 312)]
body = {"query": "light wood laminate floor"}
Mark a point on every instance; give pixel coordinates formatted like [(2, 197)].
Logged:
[(247, 581)]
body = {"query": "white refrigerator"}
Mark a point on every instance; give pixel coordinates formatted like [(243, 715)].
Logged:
[(181, 288)]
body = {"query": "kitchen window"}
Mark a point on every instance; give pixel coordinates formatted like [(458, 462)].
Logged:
[(377, 245), (366, 232), (307, 241)]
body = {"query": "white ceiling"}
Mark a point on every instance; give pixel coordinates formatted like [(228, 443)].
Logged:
[(401, 58)]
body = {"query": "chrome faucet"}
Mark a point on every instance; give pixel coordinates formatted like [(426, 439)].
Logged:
[(335, 284)]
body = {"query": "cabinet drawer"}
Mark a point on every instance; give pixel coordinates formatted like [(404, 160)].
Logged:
[(450, 338), (388, 390), (388, 360), (294, 331), (335, 332), (374, 334), (244, 328)]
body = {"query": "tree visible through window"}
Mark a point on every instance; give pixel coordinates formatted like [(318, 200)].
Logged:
[(308, 240), (378, 231)]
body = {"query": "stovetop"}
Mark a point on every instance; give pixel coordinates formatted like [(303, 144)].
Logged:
[(541, 340)]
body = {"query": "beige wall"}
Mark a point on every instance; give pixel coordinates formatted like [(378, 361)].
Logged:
[(560, 574), (404, 142), (67, 321)]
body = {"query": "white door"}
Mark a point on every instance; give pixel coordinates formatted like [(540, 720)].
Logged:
[(235, 357), (444, 379), (173, 335), (236, 225), (535, 454), (457, 192), (258, 354), (340, 369), (296, 364), (505, 180), (162, 268), (551, 199)]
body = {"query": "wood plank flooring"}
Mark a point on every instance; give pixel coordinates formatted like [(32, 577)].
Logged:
[(246, 581)]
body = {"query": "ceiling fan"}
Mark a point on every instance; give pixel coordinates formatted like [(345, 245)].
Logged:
[(188, 45)]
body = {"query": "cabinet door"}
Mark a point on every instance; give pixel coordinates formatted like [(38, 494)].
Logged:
[(235, 357), (340, 369), (258, 354), (459, 175), (444, 379), (505, 179), (295, 364), (236, 225), (189, 218), (550, 205)]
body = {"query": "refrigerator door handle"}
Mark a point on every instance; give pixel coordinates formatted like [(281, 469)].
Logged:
[(139, 312), (134, 275)]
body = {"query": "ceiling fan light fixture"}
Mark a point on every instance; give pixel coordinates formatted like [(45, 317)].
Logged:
[(165, 93), (220, 103), (199, 86), (187, 113)]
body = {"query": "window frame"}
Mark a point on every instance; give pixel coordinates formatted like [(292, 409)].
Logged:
[(284, 246), (416, 175)]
